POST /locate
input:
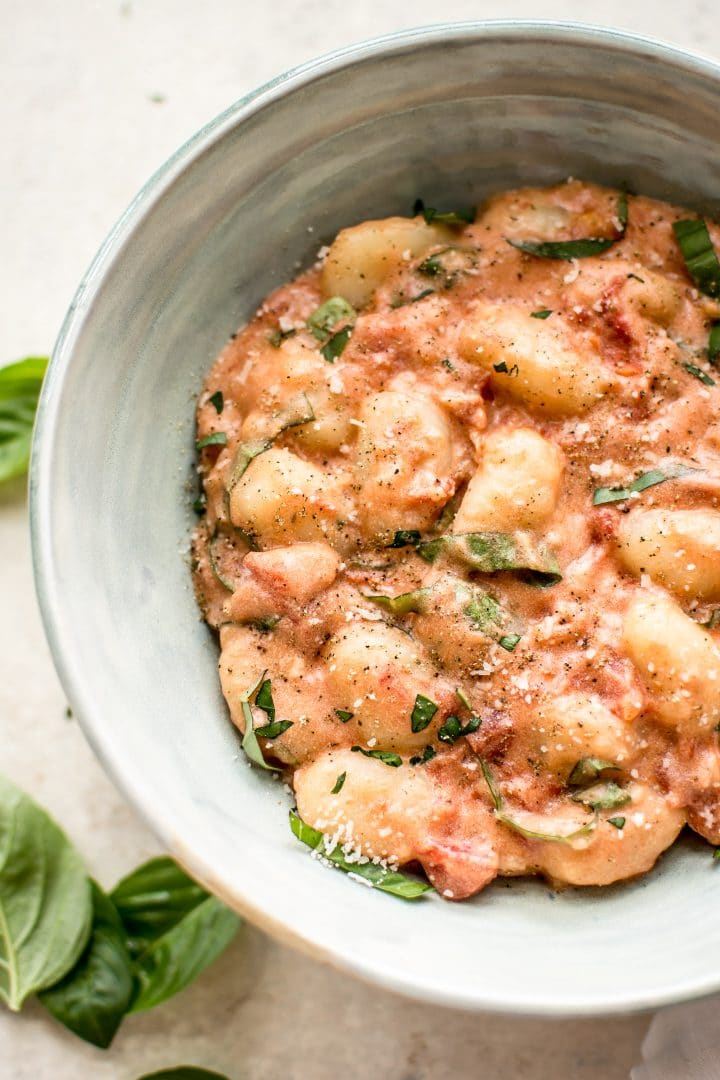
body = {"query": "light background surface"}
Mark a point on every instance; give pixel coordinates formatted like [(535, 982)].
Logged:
[(95, 96)]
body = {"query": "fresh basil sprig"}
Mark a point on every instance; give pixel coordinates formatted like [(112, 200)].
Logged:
[(45, 899), (699, 254), (576, 249), (645, 480), (19, 392), (154, 898), (379, 877)]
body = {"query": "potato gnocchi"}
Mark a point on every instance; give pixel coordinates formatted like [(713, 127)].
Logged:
[(460, 538)]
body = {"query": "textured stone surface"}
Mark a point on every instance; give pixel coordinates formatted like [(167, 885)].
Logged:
[(96, 95)]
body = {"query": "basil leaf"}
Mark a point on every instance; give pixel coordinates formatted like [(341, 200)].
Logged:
[(618, 822), (452, 729), (200, 504), (518, 827), (427, 755), (214, 553), (173, 960), (483, 611), (698, 373), (215, 438), (403, 301), (92, 999), (490, 552), (20, 385), (218, 401), (328, 315), (450, 217), (649, 479), (45, 899), (153, 899), (184, 1072), (249, 740), (576, 249), (422, 714), (503, 369), (344, 715), (544, 313), (379, 877), (403, 604), (386, 756), (405, 538), (699, 254), (335, 345), (449, 263), (714, 344), (339, 784), (510, 641), (264, 699), (277, 336), (297, 412), (602, 797), (588, 770), (273, 730)]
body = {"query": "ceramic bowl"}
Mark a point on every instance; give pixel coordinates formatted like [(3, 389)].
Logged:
[(450, 113)]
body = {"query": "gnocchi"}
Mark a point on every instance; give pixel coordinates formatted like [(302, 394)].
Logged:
[(460, 541)]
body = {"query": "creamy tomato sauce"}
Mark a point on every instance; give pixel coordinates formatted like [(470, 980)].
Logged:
[(462, 513)]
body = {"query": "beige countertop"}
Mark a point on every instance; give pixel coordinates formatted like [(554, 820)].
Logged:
[(97, 93)]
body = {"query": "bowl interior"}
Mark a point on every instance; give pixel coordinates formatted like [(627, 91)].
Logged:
[(449, 114)]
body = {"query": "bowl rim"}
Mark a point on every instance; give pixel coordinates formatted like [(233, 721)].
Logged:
[(132, 786)]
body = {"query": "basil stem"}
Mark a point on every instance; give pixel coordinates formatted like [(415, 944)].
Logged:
[(215, 438), (576, 249), (645, 480), (699, 254), (379, 877)]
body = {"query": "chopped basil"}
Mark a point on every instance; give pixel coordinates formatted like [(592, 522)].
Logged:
[(402, 604), (264, 699), (636, 278), (379, 877), (448, 264), (714, 344), (698, 373), (490, 552), (338, 784), (503, 369), (589, 769), (403, 301), (452, 729), (249, 740), (335, 344), (618, 822), (462, 217), (447, 363), (215, 438), (483, 610), (699, 254), (215, 561), (544, 313), (386, 756), (427, 755), (603, 796), (649, 479), (277, 336), (328, 315), (462, 698), (530, 834), (273, 730), (509, 641), (200, 503), (297, 412), (405, 538), (218, 401), (265, 623), (423, 711), (343, 715), (576, 249)]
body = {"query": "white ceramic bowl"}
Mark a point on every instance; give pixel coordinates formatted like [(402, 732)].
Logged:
[(449, 113)]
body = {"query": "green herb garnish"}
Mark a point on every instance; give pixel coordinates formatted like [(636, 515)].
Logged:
[(618, 822), (405, 538), (218, 401), (19, 393), (590, 769), (249, 740), (274, 729), (510, 641), (200, 504), (277, 336), (335, 344), (602, 797), (714, 344), (491, 552), (503, 369), (453, 729), (699, 254), (264, 699), (328, 315), (386, 756), (544, 313), (338, 784), (297, 412), (379, 877), (649, 479), (461, 217), (423, 711), (215, 438), (402, 604), (427, 755), (530, 834), (344, 715), (698, 373), (576, 249)]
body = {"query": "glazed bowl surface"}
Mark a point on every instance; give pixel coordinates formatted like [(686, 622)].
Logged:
[(451, 113)]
